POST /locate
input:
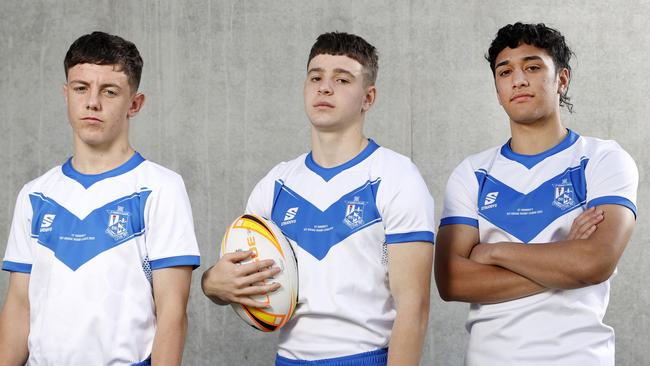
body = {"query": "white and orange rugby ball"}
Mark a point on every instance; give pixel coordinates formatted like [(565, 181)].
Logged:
[(266, 241)]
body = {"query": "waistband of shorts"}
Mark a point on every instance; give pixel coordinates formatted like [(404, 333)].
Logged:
[(146, 362), (373, 358)]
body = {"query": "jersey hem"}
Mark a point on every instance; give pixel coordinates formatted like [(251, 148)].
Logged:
[(614, 200), (373, 358), (427, 236), (16, 267), (181, 260), (453, 220)]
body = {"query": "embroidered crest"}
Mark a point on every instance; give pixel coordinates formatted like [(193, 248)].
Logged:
[(354, 213), (118, 221), (564, 195)]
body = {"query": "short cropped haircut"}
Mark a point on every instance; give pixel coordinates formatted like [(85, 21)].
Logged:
[(540, 36), (352, 46), (100, 48)]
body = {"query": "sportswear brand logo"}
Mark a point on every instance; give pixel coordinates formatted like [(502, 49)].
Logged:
[(46, 224), (490, 198), (290, 216)]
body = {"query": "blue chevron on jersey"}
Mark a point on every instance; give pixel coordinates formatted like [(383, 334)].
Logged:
[(317, 231), (526, 215), (76, 241)]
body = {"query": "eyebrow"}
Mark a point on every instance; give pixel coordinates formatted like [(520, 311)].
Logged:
[(525, 58), (336, 71), (107, 85)]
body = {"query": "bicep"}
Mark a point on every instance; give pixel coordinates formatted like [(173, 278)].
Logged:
[(171, 286), (613, 233), (409, 269), (18, 291)]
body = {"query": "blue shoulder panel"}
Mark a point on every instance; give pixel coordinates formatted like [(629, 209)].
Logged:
[(526, 215), (76, 241), (318, 231)]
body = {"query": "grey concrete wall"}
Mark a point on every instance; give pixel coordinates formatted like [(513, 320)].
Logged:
[(223, 80)]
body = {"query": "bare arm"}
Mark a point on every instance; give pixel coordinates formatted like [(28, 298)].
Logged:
[(171, 288), (409, 271), (460, 277), (14, 321), (571, 263), (229, 281)]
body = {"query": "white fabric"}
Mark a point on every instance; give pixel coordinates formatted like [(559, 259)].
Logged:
[(98, 310), (538, 204), (338, 221)]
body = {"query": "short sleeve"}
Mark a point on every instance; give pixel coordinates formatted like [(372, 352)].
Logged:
[(461, 195), (612, 178), (19, 254), (170, 237), (405, 205), (260, 201)]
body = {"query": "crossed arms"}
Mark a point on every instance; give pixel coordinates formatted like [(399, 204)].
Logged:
[(469, 271)]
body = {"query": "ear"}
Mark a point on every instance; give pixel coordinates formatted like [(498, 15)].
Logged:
[(369, 99), (65, 93), (563, 81), (137, 101)]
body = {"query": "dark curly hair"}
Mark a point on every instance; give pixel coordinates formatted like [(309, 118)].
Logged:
[(352, 46), (540, 36), (101, 48)]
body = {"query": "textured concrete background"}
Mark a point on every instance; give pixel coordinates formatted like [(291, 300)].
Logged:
[(223, 81)]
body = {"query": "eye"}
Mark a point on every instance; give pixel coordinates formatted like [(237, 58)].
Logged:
[(504, 73), (79, 89), (110, 93), (533, 67), (342, 81), (315, 78)]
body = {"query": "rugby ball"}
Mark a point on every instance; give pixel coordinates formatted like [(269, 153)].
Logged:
[(266, 241)]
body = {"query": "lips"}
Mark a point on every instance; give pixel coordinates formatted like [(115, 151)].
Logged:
[(323, 105), (91, 119), (520, 97)]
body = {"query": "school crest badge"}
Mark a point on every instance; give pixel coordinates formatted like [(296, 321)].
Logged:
[(564, 195), (118, 221)]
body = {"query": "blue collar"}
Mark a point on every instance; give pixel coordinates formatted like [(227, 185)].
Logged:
[(329, 173), (530, 161), (88, 180)]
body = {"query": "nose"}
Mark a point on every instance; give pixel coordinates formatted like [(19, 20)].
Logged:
[(92, 101), (519, 79), (324, 87)]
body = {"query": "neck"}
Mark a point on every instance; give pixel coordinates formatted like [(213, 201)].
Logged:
[(331, 149), (535, 138), (88, 160)]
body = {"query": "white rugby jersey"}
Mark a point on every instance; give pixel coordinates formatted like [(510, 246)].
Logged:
[(339, 220), (90, 243), (534, 199)]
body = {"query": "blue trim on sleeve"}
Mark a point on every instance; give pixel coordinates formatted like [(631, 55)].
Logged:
[(181, 260), (87, 180), (329, 173), (410, 237), (373, 358), (16, 267), (452, 220), (530, 161), (613, 200)]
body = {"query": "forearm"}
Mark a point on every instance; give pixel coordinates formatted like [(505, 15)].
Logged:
[(169, 340), (562, 265), (462, 279), (407, 336), (14, 322)]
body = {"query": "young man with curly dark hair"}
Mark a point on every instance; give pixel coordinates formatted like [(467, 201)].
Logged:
[(532, 230)]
